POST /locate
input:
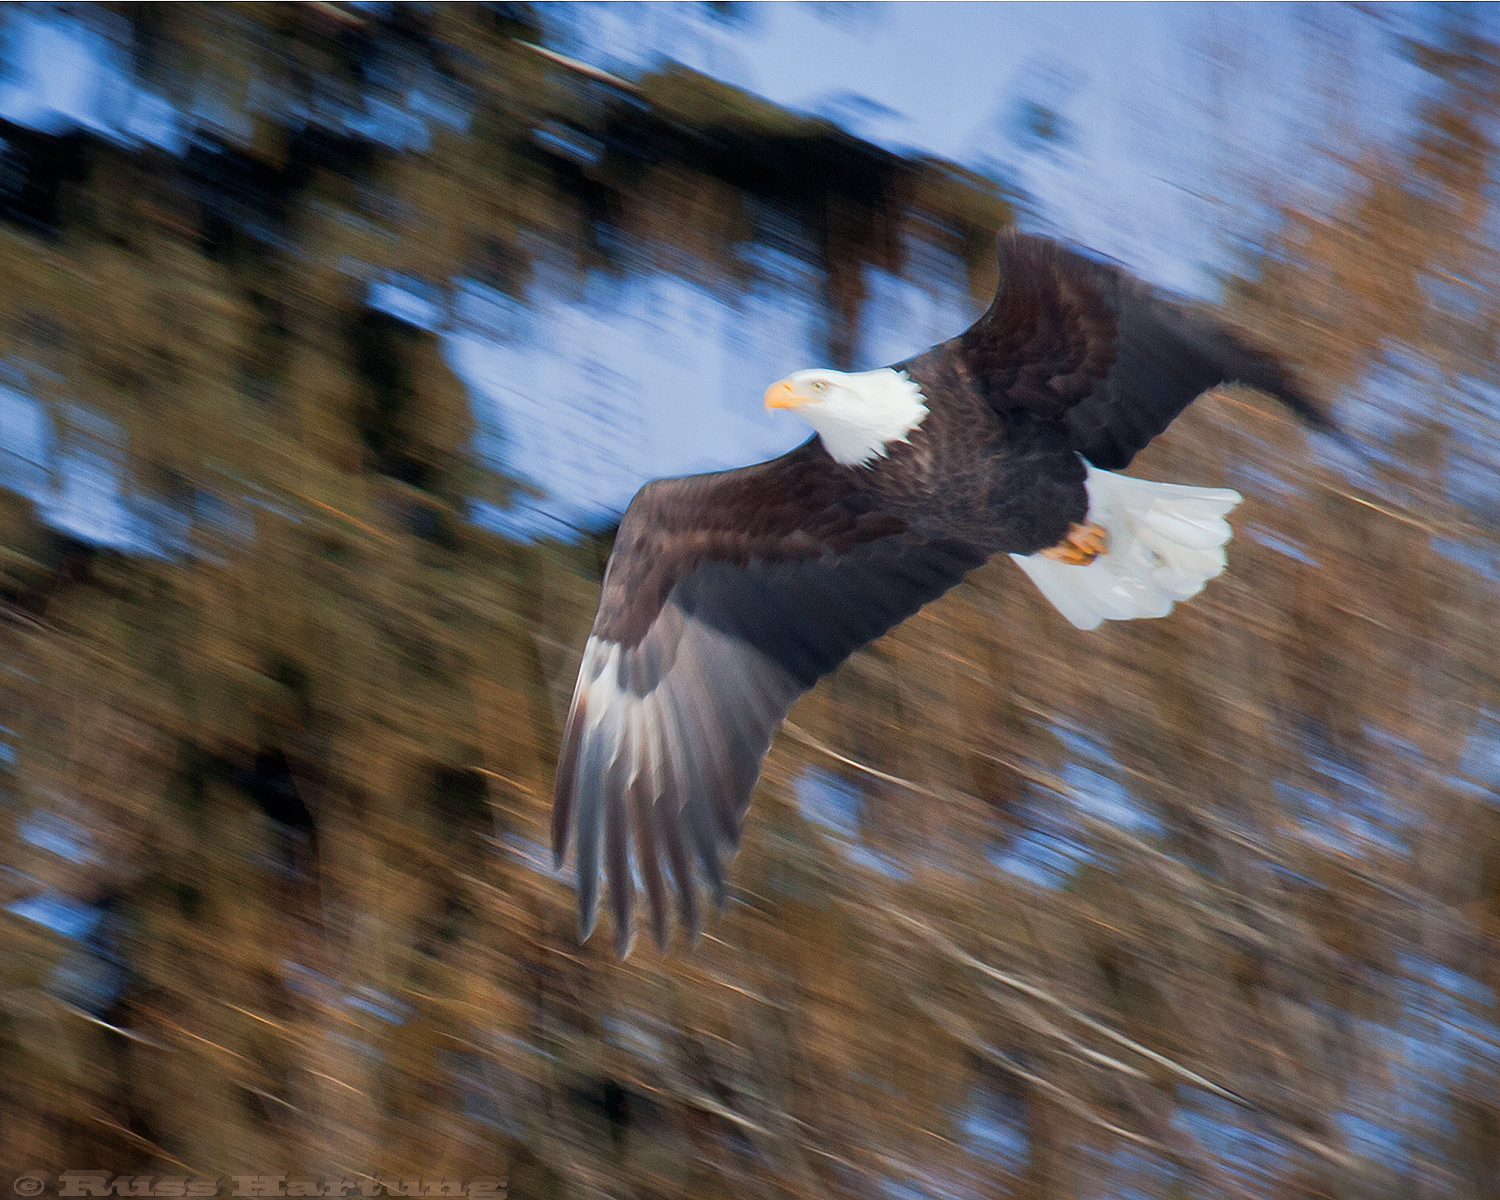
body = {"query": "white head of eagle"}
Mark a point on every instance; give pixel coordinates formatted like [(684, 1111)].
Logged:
[(857, 416)]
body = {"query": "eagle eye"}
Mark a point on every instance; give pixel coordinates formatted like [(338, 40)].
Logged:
[(820, 385)]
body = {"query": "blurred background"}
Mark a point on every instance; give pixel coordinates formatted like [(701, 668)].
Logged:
[(333, 338)]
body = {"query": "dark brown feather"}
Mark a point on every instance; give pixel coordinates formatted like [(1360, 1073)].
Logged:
[(726, 597), (1078, 339)]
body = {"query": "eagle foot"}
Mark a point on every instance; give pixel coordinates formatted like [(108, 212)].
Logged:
[(1083, 544)]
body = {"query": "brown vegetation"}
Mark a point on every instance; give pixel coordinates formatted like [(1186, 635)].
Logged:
[(1268, 963)]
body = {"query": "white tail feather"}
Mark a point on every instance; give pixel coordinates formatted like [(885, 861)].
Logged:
[(1165, 542)]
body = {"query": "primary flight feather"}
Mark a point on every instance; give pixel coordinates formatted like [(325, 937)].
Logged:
[(729, 595)]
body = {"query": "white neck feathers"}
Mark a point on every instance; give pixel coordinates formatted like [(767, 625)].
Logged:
[(863, 415)]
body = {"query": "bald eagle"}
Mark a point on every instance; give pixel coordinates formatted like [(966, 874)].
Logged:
[(729, 595)]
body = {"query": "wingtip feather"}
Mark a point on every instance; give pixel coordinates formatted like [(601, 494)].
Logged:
[(588, 918), (563, 794)]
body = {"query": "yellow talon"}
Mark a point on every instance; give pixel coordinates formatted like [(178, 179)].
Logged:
[(1083, 544)]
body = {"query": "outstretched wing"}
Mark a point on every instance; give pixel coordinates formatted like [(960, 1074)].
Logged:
[(727, 596), (1112, 357)]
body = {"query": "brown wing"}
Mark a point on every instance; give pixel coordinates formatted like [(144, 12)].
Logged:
[(727, 596), (1112, 357)]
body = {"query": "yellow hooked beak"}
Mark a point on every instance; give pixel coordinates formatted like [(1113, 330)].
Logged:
[(783, 395)]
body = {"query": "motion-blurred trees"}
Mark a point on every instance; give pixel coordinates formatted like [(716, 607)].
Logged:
[(1198, 907)]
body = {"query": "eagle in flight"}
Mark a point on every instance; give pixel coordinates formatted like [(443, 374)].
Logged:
[(728, 595)]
